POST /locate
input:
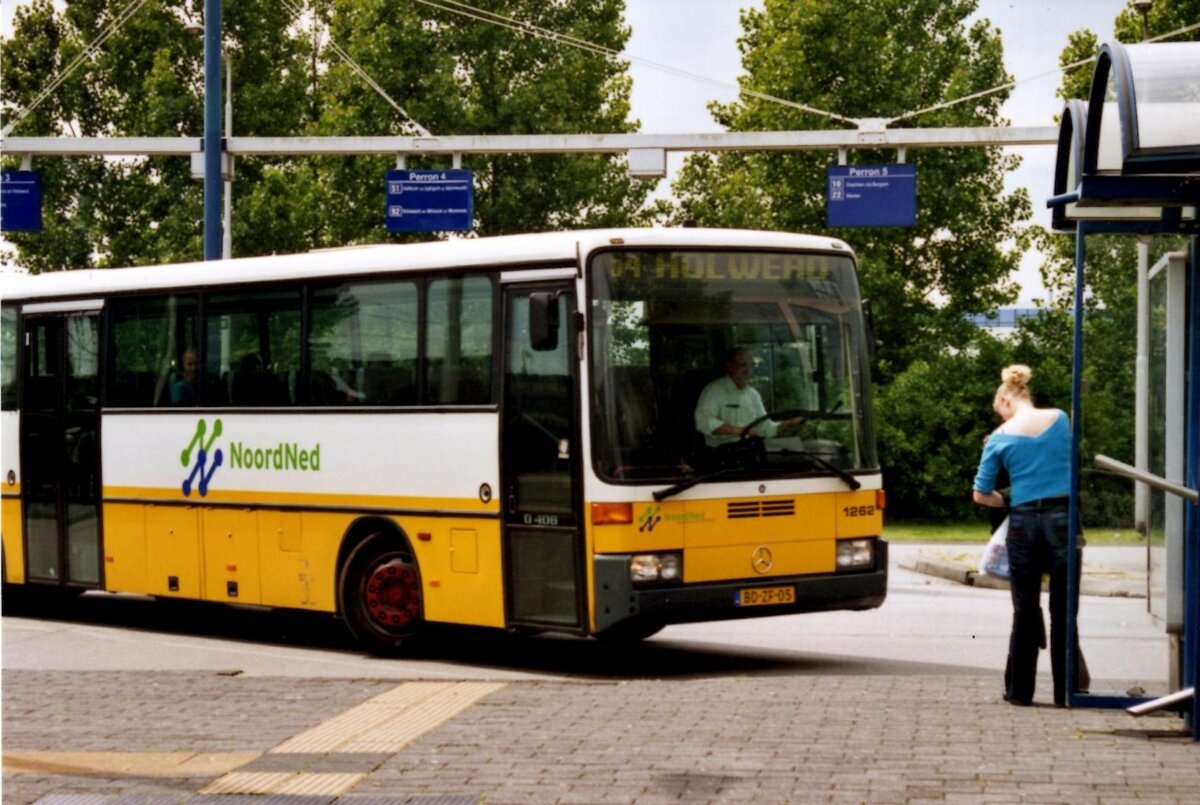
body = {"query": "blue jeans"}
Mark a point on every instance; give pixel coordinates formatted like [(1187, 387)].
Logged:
[(1037, 544)]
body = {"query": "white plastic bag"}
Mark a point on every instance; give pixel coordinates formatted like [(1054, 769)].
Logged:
[(994, 561)]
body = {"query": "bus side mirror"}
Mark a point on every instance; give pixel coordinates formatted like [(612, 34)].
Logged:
[(543, 321)]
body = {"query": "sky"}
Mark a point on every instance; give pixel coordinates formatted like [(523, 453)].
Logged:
[(700, 37)]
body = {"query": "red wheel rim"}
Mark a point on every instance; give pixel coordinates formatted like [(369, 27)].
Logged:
[(393, 594)]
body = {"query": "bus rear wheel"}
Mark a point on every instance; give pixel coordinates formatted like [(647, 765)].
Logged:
[(381, 597)]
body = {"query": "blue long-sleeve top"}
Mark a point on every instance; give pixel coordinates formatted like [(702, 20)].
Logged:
[(1038, 466)]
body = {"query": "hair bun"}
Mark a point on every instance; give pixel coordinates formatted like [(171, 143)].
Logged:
[(1016, 375)]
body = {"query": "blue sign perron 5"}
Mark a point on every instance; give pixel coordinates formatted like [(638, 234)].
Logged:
[(871, 195), (430, 201)]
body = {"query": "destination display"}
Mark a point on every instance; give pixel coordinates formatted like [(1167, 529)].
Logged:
[(722, 266)]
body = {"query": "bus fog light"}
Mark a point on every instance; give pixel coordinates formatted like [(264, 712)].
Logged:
[(853, 554), (647, 568)]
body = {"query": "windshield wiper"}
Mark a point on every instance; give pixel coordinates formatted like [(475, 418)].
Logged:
[(849, 479), (683, 486)]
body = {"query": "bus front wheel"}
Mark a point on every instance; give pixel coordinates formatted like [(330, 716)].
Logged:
[(381, 597)]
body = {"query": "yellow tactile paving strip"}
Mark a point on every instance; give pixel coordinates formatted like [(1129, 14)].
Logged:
[(136, 764), (392, 720), (283, 782), (382, 725)]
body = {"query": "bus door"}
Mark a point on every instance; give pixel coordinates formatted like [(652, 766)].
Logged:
[(60, 447), (540, 449)]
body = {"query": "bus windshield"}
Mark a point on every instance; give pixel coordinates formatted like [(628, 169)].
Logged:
[(770, 342)]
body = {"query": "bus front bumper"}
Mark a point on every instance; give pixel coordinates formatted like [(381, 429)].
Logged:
[(619, 601)]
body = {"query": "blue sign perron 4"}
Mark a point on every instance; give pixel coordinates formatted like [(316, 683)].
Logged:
[(430, 201)]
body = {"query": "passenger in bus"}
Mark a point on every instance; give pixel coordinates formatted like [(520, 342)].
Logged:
[(250, 362), (1034, 446), (729, 403), (255, 384), (183, 390)]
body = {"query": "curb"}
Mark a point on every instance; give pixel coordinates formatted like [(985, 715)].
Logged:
[(1097, 582)]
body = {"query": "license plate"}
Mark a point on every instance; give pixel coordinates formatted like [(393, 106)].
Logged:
[(765, 596)]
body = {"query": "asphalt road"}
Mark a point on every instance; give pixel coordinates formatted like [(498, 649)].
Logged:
[(928, 626)]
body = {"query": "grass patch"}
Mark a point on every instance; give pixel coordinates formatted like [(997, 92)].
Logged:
[(978, 531)]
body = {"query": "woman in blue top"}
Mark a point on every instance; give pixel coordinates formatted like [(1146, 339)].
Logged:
[(1034, 446)]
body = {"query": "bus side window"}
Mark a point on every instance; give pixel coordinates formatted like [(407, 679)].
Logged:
[(149, 338), (8, 359), (362, 344), (252, 347), (458, 341)]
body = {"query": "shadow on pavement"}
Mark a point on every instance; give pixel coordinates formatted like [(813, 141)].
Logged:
[(583, 658)]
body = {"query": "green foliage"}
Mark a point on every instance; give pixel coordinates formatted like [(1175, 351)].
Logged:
[(455, 75), (876, 59), (931, 422)]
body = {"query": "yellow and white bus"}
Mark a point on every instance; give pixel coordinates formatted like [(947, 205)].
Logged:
[(497, 432)]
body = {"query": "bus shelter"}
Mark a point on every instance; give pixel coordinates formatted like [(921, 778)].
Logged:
[(1129, 163)]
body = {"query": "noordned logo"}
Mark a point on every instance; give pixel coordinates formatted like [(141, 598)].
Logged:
[(201, 446), (761, 560), (650, 518)]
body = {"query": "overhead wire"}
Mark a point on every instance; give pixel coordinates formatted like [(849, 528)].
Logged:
[(361, 73), (467, 10), (132, 9), (85, 54), (1011, 84), (472, 12)]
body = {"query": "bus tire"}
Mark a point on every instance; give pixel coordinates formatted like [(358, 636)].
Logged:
[(379, 590)]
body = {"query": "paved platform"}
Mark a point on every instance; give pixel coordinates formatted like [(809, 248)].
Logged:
[(1113, 571), (153, 738)]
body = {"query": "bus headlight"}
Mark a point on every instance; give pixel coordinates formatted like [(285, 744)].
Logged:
[(647, 568), (855, 554)]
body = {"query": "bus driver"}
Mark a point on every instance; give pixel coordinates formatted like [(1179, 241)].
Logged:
[(729, 403)]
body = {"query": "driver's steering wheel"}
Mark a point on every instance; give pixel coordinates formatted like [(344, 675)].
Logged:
[(792, 413)]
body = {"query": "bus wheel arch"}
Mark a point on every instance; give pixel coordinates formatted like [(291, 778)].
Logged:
[(380, 597)]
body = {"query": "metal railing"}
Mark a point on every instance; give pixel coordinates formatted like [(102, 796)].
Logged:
[(1121, 468)]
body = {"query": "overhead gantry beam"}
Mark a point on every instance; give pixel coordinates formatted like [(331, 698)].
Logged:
[(822, 140)]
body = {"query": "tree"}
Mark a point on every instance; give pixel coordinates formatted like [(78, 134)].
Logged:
[(454, 74), (931, 423), (144, 81), (457, 75), (877, 59)]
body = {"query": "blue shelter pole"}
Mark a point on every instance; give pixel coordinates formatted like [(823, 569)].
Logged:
[(1191, 550), (1073, 557), (212, 129)]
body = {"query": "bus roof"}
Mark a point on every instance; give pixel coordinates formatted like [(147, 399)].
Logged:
[(510, 252)]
